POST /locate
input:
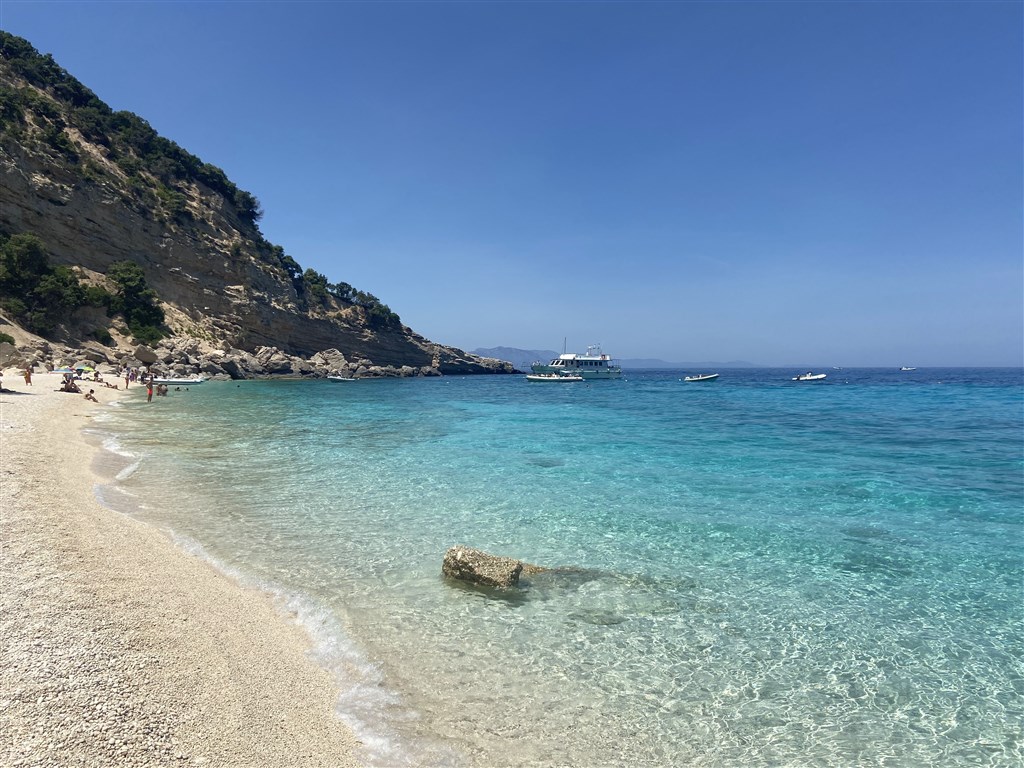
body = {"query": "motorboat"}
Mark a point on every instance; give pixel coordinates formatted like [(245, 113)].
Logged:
[(341, 378), (560, 377), (592, 365), (702, 377), (172, 381), (809, 377), (905, 368)]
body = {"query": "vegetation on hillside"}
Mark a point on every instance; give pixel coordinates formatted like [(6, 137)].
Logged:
[(314, 287), (158, 174), (136, 301), (62, 102), (41, 296)]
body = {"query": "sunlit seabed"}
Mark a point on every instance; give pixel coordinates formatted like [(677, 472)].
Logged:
[(751, 572)]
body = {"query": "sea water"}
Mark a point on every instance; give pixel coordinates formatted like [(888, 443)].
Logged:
[(752, 572)]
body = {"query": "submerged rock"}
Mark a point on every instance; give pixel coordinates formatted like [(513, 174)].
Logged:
[(478, 567)]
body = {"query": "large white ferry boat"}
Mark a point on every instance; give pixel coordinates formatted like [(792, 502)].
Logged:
[(593, 365)]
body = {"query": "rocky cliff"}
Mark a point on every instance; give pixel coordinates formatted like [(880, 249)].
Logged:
[(80, 177)]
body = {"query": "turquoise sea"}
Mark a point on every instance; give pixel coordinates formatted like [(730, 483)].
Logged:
[(753, 572)]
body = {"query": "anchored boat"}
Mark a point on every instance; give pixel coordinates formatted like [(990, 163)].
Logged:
[(702, 377), (809, 377), (552, 377), (593, 365), (178, 382)]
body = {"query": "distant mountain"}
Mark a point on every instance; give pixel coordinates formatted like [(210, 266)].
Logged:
[(522, 359)]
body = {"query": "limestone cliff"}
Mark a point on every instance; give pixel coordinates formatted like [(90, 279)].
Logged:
[(80, 177)]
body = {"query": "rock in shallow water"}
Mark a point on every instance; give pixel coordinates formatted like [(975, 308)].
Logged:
[(479, 567)]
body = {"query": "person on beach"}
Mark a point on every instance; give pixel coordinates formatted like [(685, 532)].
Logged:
[(28, 375), (91, 396), (127, 375), (149, 391)]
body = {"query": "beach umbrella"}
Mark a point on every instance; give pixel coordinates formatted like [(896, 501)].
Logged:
[(65, 369), (85, 368)]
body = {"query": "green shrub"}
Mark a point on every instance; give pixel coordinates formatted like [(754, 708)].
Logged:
[(6, 338), (58, 139), (15, 306), (136, 301), (380, 316), (102, 335), (145, 334)]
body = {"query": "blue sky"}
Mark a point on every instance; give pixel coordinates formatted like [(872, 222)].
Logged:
[(778, 182)]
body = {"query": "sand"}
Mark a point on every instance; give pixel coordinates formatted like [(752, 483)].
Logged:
[(117, 647)]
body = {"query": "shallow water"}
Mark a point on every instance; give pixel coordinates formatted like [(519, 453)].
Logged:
[(756, 571)]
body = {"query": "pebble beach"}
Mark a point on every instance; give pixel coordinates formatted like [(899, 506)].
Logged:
[(117, 647)]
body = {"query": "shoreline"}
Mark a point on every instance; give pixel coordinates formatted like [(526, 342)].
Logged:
[(118, 646)]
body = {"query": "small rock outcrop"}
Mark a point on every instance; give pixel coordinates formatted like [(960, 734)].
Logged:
[(480, 568), (483, 569)]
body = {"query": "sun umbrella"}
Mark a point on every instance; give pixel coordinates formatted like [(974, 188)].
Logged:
[(86, 368), (65, 369)]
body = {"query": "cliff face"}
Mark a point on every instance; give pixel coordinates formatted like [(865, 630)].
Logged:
[(218, 279)]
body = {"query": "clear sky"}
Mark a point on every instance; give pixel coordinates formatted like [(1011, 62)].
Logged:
[(777, 182)]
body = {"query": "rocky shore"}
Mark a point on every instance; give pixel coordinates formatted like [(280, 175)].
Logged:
[(180, 357)]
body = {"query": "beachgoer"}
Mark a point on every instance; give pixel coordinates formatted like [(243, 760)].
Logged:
[(149, 391), (28, 375), (91, 396)]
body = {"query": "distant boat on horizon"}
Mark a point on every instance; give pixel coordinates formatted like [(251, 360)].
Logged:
[(907, 368)]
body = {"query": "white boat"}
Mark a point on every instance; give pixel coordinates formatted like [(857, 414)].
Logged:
[(593, 365), (809, 377), (905, 368), (341, 378), (553, 377), (702, 377), (171, 381)]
